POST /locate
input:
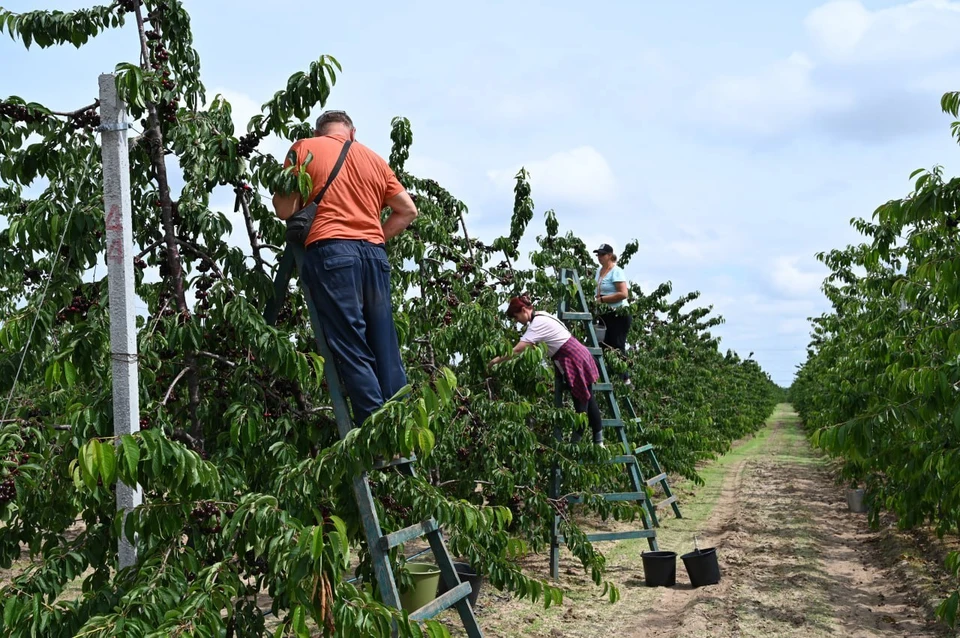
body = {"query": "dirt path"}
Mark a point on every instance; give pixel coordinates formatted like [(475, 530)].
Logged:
[(794, 562)]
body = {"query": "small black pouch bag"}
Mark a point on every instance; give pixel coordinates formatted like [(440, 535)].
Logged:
[(299, 224)]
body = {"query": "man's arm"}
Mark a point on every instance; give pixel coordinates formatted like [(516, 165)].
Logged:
[(403, 212), (286, 205)]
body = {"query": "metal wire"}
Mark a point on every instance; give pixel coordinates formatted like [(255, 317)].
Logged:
[(46, 286)]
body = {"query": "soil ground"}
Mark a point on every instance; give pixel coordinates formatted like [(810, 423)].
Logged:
[(794, 562)]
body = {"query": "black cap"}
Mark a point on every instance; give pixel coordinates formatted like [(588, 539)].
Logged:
[(605, 249)]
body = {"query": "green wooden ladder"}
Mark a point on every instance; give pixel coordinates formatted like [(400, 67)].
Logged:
[(641, 486), (378, 543)]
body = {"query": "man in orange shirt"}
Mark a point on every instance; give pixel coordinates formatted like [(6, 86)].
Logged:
[(345, 267)]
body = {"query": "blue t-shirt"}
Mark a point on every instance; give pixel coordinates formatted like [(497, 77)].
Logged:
[(608, 285)]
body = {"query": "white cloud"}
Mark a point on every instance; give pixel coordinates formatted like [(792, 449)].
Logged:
[(767, 102), (791, 281), (845, 31), (579, 176)]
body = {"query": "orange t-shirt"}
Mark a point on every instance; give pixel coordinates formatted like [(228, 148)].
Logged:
[(350, 209)]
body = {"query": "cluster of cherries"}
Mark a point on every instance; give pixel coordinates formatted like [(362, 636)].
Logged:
[(248, 143), (18, 112), (202, 514), (203, 289), (88, 119), (78, 306), (8, 490)]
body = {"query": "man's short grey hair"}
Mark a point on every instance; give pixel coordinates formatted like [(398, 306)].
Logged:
[(332, 117)]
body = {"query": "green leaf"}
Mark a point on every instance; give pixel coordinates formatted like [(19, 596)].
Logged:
[(107, 462), (131, 455), (89, 458), (947, 610), (69, 373), (316, 547)]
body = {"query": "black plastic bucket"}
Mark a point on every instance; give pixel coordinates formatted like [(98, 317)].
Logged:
[(702, 567), (467, 574), (660, 568)]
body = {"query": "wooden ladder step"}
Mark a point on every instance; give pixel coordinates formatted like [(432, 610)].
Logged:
[(445, 601), (656, 479), (597, 352), (394, 462), (669, 501), (617, 536), (603, 387), (643, 448), (623, 458), (611, 423), (576, 316), (612, 496), (407, 534)]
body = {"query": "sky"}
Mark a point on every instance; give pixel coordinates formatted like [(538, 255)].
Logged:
[(733, 140)]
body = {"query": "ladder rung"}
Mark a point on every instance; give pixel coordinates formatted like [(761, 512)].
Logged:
[(617, 536), (611, 423), (613, 496), (643, 448), (597, 352), (623, 458), (394, 462), (669, 501), (442, 602), (406, 534), (576, 316), (603, 387), (656, 479)]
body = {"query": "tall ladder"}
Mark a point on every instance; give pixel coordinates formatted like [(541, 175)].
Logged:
[(635, 475), (378, 543)]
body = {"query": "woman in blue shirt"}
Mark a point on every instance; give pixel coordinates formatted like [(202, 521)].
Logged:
[(612, 294)]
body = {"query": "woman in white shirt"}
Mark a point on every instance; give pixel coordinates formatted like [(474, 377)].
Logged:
[(577, 368)]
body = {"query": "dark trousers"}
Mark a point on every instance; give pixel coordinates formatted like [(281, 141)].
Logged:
[(593, 416), (349, 283), (617, 328), (590, 407)]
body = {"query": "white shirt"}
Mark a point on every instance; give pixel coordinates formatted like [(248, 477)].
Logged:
[(546, 328)]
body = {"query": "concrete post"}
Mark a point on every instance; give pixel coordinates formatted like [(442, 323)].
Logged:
[(120, 274)]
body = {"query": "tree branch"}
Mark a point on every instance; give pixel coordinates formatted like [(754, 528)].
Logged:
[(202, 255), (157, 158), (172, 385), (251, 232), (148, 249), (96, 104)]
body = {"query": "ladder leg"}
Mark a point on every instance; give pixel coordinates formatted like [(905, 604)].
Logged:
[(449, 574), (555, 527), (640, 484), (555, 487), (663, 483), (372, 531)]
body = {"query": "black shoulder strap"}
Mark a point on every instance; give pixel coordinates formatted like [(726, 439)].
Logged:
[(334, 171)]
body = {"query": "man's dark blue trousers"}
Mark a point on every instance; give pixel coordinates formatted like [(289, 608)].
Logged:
[(349, 283)]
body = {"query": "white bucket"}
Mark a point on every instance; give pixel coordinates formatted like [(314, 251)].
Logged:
[(601, 331), (855, 501)]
